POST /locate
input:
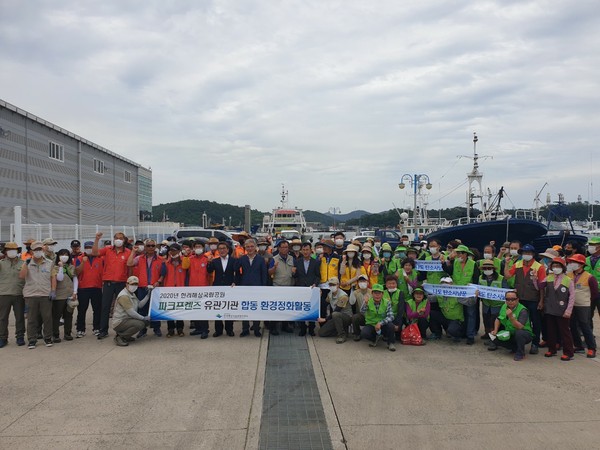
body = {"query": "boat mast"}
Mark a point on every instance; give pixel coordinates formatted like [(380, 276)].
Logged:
[(284, 197), (474, 177)]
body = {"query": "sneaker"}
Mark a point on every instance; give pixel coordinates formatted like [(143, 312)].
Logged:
[(534, 350), (31, 345), (180, 333), (591, 353), (48, 342), (245, 333), (543, 344), (566, 358), (21, 341), (302, 333), (57, 340), (3, 343), (170, 333), (579, 350), (120, 341), (157, 332), (80, 334), (142, 333), (391, 347), (549, 354), (257, 333), (492, 346), (519, 357), (470, 341), (68, 337), (434, 337), (377, 339), (102, 335), (203, 335), (357, 337), (341, 339), (94, 332)]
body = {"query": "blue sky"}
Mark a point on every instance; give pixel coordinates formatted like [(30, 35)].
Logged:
[(226, 100)]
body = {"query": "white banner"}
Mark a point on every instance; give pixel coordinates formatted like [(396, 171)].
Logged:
[(428, 266), (235, 303), (449, 290)]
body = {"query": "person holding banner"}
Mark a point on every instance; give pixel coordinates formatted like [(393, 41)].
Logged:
[(513, 318), (307, 273), (173, 273), (450, 316), (490, 308), (251, 270), (341, 317), (281, 270), (224, 269), (379, 319), (198, 276), (126, 320), (489, 254)]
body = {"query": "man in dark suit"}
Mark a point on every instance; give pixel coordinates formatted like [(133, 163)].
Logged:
[(307, 273), (224, 268), (251, 271)]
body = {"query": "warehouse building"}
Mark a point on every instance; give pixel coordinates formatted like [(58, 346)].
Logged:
[(59, 177)]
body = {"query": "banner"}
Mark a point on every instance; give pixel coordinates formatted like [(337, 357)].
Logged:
[(235, 303), (428, 266), (449, 290)]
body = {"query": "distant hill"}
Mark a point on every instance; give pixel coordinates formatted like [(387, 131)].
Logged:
[(349, 216), (189, 213), (315, 216)]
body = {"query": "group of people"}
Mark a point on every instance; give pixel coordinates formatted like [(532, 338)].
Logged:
[(368, 290)]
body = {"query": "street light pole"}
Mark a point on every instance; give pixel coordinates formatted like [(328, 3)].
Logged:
[(414, 181)]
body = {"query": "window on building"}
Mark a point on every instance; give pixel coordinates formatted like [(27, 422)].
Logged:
[(98, 166), (127, 176), (56, 151)]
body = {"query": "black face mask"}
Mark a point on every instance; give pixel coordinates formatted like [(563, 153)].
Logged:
[(568, 252), (28, 249)]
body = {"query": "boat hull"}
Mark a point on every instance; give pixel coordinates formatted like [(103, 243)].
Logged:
[(549, 240), (479, 234)]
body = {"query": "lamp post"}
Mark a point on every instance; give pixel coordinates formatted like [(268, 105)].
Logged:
[(335, 210), (415, 181)]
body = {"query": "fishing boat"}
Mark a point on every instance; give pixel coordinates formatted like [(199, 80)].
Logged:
[(284, 220)]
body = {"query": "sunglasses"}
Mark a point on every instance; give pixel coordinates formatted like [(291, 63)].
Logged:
[(511, 299), (150, 245)]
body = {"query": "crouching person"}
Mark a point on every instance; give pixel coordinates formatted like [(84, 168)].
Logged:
[(514, 319), (379, 318), (127, 321), (450, 316), (337, 324), (418, 310)]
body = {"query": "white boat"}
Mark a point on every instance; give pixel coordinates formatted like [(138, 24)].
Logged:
[(284, 219)]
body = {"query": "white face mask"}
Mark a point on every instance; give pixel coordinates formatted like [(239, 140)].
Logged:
[(333, 289), (392, 290), (262, 248), (572, 267), (363, 284), (487, 256), (592, 249), (296, 248), (557, 270), (11, 254), (118, 243), (213, 247), (198, 251), (140, 248), (174, 256), (527, 257), (350, 255), (366, 256), (38, 254), (132, 288), (405, 243), (319, 250), (63, 258), (488, 272), (339, 242), (433, 250), (513, 252), (50, 248), (88, 251)]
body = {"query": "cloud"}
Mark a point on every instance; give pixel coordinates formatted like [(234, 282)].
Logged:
[(226, 100)]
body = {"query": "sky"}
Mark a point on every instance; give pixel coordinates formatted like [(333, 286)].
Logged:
[(227, 100)]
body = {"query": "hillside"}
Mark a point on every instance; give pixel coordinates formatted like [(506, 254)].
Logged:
[(189, 213)]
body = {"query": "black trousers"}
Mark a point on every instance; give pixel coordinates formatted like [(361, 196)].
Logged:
[(219, 326), (110, 290), (85, 296)]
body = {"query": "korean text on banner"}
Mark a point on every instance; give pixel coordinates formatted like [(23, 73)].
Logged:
[(235, 303), (428, 266)]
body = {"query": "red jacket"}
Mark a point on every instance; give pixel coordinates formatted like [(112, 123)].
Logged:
[(173, 276), (142, 271), (198, 273), (92, 270)]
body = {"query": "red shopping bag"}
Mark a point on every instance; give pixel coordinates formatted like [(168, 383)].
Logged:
[(411, 335)]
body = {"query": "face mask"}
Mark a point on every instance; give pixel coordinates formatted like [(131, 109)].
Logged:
[(88, 251), (63, 258), (174, 256), (434, 250), (118, 243), (592, 249), (333, 289), (198, 251), (386, 254), (339, 242), (527, 257), (350, 255), (568, 252), (132, 288), (487, 256), (262, 248), (318, 250), (400, 255), (50, 248), (487, 273), (572, 267), (392, 290), (405, 243), (366, 256), (213, 247), (557, 270), (363, 285), (377, 245), (11, 254), (296, 248), (38, 254), (513, 252), (140, 248)]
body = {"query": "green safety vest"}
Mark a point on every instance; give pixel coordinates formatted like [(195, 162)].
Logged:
[(434, 277), (460, 276), (507, 324), (394, 298), (403, 285), (497, 284), (374, 314), (511, 280), (451, 309), (594, 271), (413, 305)]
